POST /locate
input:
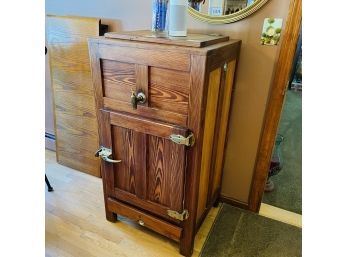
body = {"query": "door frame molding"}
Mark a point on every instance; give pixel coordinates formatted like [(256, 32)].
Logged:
[(275, 103)]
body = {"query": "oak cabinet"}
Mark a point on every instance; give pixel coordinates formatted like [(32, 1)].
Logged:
[(163, 117)]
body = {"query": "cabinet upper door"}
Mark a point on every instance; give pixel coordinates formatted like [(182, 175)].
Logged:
[(163, 76), (151, 174)]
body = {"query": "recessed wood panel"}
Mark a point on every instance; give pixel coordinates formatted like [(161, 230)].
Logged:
[(173, 60), (124, 150), (165, 172), (160, 226), (169, 90), (118, 79), (146, 112), (222, 129), (182, 86), (152, 168), (208, 139)]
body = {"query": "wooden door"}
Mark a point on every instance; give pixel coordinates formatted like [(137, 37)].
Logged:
[(151, 174), (76, 127)]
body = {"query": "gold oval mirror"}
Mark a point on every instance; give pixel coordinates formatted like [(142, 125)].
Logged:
[(223, 11)]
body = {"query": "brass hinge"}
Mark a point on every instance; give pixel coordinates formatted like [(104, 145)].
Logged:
[(179, 216), (181, 140)]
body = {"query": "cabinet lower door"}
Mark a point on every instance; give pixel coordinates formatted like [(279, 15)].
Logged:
[(151, 174)]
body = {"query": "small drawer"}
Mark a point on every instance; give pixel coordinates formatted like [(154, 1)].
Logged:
[(166, 91), (164, 228)]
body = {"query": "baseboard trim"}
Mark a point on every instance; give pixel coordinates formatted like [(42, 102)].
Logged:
[(50, 142), (50, 136), (234, 202)]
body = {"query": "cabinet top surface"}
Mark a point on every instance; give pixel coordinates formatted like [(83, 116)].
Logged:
[(206, 50), (191, 40)]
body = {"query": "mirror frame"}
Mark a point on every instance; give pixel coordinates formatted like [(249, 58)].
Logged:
[(227, 18)]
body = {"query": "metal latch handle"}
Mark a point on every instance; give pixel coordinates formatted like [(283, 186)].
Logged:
[(136, 98), (179, 216), (181, 140), (104, 154)]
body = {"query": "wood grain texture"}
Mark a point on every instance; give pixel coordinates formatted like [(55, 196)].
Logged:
[(221, 130), (275, 103), (163, 59), (74, 106), (176, 81), (119, 80), (208, 139), (142, 125), (144, 111), (152, 169), (192, 40), (166, 172), (124, 146), (142, 81), (130, 173), (155, 209), (198, 79), (204, 51), (169, 90), (75, 222), (160, 226), (106, 167), (224, 54)]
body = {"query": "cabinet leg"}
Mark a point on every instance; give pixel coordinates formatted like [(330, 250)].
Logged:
[(110, 216), (49, 187), (216, 203), (186, 246)]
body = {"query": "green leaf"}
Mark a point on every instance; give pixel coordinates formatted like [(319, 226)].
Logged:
[(270, 20)]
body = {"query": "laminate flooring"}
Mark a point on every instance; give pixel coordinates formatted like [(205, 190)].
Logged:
[(76, 226)]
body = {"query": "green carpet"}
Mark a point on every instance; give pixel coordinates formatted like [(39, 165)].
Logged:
[(287, 193), (240, 233)]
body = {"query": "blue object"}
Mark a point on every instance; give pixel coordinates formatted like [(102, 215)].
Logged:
[(159, 13)]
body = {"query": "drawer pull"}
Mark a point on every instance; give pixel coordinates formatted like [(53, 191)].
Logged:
[(104, 154), (136, 98), (141, 223)]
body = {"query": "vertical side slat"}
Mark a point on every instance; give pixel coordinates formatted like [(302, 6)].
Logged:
[(124, 148), (196, 108), (174, 155), (208, 138), (106, 167), (141, 165), (142, 80), (121, 153), (222, 130)]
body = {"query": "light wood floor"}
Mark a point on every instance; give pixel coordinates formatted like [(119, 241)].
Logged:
[(282, 215), (76, 224)]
